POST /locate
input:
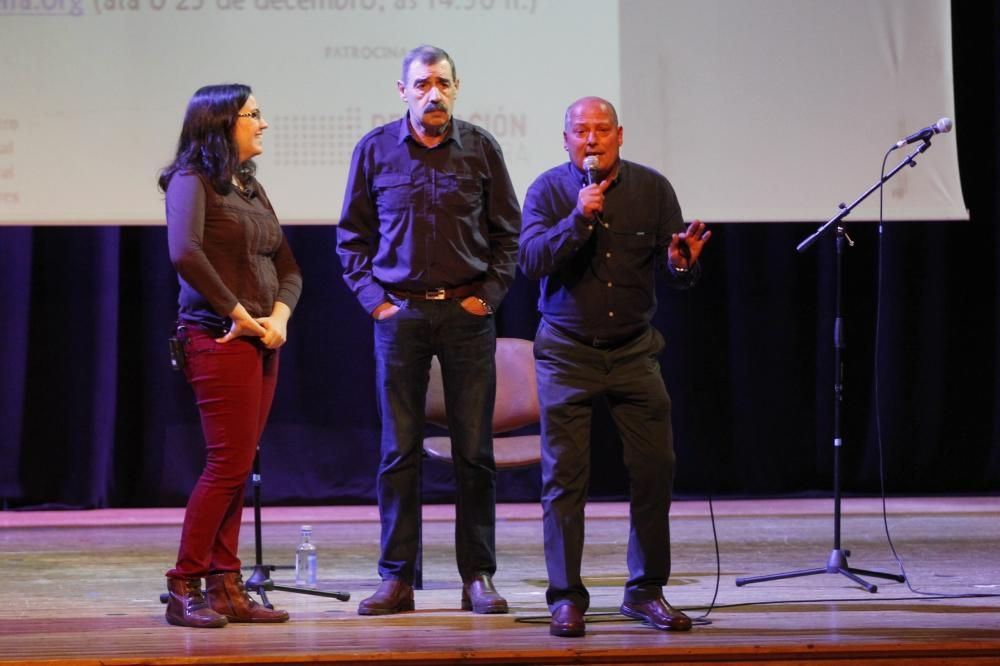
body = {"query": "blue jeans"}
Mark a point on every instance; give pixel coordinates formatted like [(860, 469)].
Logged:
[(465, 345)]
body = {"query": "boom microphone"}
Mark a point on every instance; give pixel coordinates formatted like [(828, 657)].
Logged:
[(941, 126)]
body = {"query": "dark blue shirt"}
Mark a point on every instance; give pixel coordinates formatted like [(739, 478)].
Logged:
[(597, 277), (418, 218)]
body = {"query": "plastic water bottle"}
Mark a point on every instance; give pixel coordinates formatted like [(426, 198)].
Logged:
[(305, 560)]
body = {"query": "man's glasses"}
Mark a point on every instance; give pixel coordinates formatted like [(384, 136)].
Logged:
[(255, 114)]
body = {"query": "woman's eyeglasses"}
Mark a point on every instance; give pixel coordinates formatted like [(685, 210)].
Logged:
[(255, 114)]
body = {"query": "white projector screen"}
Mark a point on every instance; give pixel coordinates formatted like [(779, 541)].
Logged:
[(757, 110)]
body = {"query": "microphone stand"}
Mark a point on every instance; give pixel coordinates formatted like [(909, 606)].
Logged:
[(260, 580), (837, 561)]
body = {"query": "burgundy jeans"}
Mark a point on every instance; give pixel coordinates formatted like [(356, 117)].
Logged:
[(234, 386)]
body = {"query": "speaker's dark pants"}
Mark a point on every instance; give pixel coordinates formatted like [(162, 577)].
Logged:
[(570, 376)]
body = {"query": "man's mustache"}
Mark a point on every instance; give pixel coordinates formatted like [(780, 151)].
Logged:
[(435, 106)]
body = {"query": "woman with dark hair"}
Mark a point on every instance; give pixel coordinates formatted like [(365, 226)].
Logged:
[(238, 286)]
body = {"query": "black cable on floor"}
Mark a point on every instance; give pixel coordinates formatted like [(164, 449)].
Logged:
[(878, 409)]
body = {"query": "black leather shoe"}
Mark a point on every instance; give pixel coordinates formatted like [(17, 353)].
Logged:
[(567, 622), (392, 596), (658, 613), (479, 596)]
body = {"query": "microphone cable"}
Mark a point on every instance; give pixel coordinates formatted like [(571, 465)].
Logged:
[(702, 620), (879, 273)]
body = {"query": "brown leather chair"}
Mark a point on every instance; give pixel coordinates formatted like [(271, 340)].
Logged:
[(516, 407)]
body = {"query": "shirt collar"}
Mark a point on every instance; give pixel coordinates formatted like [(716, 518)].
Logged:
[(454, 134)]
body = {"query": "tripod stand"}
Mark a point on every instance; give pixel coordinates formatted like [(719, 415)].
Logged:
[(260, 580), (837, 561)]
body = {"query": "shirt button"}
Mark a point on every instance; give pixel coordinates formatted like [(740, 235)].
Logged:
[(607, 255), (611, 314), (590, 227), (610, 284)]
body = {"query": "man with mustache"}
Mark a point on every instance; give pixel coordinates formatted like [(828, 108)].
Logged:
[(595, 229), (428, 242)]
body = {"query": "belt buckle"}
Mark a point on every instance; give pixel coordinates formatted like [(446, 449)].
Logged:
[(436, 294)]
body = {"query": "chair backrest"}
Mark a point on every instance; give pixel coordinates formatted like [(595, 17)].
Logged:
[(516, 403)]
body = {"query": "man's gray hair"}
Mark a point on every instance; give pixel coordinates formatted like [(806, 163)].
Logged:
[(427, 55)]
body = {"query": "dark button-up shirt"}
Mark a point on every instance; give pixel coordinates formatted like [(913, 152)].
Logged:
[(227, 249), (597, 276), (418, 218)]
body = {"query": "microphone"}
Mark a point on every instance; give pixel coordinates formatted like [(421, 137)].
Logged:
[(941, 126), (590, 167)]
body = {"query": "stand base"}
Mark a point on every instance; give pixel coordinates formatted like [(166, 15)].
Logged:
[(260, 582), (835, 564)]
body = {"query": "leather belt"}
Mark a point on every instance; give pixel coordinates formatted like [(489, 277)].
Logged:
[(439, 294), (598, 343)]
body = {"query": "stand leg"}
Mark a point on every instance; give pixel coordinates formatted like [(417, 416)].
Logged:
[(260, 581), (836, 564)]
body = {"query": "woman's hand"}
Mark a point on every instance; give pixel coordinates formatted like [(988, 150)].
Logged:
[(243, 324), (276, 326)]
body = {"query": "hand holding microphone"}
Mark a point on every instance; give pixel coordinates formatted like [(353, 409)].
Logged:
[(590, 201), (590, 163)]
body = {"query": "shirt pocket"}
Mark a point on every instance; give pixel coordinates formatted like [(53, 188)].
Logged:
[(633, 239), (637, 246), (393, 192), (461, 194)]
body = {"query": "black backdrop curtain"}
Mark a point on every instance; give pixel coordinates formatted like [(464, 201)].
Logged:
[(92, 416)]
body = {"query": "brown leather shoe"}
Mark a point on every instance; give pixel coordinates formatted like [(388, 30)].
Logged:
[(228, 596), (186, 605), (479, 596), (567, 621), (658, 613), (392, 596)]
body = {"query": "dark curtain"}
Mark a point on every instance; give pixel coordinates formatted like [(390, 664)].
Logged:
[(92, 415)]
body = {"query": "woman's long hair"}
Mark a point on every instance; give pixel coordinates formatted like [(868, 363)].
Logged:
[(206, 143)]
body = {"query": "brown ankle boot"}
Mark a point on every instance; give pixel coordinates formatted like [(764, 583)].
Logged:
[(228, 597), (186, 606)]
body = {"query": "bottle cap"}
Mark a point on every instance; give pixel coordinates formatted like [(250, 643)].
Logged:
[(307, 528)]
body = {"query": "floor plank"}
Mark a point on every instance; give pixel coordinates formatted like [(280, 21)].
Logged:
[(83, 588)]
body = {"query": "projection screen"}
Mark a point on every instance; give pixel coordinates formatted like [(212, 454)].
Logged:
[(757, 110)]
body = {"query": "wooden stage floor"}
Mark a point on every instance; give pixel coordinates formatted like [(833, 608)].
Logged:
[(82, 588)]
